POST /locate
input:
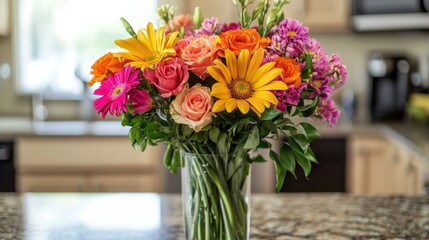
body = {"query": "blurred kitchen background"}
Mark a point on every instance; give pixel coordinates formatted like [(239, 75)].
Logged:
[(51, 140)]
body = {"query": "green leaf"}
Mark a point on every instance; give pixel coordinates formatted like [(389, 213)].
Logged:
[(287, 158), (126, 119), (175, 161), (267, 127), (143, 145), (156, 135), (310, 155), (280, 171), (310, 131), (303, 162), (253, 139), (132, 134), (308, 110), (187, 130), (214, 134), (206, 128), (152, 126), (270, 114), (233, 165), (302, 141), (274, 156), (283, 122), (137, 120), (308, 68), (168, 155), (264, 144), (290, 128), (258, 159), (223, 145)]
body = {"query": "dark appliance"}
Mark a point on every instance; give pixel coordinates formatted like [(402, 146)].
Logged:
[(7, 167), (382, 15), (390, 86), (327, 176)]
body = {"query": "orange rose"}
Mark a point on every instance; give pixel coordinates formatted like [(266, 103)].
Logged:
[(240, 39), (291, 71), (104, 66)]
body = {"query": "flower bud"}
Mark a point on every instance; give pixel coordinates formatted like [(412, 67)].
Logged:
[(198, 17), (258, 9), (166, 12)]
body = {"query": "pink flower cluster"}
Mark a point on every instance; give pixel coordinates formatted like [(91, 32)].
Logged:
[(291, 40)]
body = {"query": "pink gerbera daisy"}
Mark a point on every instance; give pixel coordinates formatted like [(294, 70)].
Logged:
[(114, 90)]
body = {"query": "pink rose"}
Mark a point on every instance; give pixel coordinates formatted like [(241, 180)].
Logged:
[(193, 107), (169, 77), (198, 53), (140, 101)]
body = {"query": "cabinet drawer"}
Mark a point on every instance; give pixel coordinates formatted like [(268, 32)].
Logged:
[(84, 152), (90, 183), (51, 183)]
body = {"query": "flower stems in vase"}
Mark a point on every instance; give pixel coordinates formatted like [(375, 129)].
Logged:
[(215, 207)]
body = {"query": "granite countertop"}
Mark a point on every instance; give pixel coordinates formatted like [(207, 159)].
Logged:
[(47, 216)]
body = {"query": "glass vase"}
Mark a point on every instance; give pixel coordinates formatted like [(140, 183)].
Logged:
[(215, 196)]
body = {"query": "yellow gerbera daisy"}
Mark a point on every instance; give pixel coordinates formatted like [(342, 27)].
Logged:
[(149, 48), (244, 84)]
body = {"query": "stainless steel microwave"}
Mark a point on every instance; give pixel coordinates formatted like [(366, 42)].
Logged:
[(385, 15)]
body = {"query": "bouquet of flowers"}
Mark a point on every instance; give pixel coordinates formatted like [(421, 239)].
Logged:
[(213, 92)]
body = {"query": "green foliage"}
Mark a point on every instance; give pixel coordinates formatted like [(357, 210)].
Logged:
[(268, 14), (253, 139), (230, 135)]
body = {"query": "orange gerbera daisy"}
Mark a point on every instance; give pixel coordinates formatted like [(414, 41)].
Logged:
[(104, 66)]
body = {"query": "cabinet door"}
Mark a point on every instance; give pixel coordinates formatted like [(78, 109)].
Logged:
[(370, 169), (327, 15), (124, 183), (321, 16), (52, 183), (381, 168)]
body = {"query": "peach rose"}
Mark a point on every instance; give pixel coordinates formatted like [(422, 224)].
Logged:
[(237, 40), (104, 66), (198, 53), (181, 21), (193, 107), (291, 71)]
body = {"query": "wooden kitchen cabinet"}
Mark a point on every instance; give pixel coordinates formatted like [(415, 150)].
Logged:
[(383, 166), (4, 18), (86, 164), (369, 169), (321, 16)]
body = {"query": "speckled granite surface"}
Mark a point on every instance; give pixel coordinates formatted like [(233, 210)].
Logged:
[(153, 216)]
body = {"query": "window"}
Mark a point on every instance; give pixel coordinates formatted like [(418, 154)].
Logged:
[(58, 41)]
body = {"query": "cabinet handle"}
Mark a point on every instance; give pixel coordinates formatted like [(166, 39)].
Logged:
[(410, 168), (395, 158)]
